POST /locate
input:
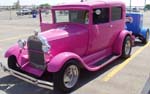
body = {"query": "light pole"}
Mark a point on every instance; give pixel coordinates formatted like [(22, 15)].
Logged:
[(130, 5), (145, 5), (10, 18)]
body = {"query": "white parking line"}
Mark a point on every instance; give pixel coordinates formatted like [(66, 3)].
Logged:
[(4, 85), (12, 38), (112, 73)]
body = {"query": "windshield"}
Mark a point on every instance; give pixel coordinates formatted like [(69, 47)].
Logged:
[(74, 16)]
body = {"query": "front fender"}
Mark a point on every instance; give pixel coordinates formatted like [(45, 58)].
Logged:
[(117, 48), (14, 50), (143, 32), (59, 60)]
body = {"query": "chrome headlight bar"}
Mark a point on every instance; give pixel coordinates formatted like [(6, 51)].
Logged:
[(45, 45)]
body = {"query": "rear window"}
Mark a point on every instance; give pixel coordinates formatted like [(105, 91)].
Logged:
[(116, 13)]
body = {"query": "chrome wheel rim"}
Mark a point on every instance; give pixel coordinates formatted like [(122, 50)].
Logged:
[(71, 76), (127, 47)]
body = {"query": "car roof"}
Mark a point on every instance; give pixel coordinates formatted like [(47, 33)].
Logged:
[(89, 4)]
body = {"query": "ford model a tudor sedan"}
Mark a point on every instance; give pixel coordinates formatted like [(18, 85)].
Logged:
[(87, 35)]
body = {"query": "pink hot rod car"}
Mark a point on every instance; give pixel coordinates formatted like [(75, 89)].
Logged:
[(85, 35)]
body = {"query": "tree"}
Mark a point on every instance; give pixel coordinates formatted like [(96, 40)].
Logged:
[(147, 6), (46, 5), (17, 5)]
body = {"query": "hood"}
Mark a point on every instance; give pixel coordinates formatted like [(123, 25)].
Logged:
[(66, 38), (63, 31)]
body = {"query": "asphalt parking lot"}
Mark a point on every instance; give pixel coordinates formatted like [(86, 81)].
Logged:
[(129, 76)]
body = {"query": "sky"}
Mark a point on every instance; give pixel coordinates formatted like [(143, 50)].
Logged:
[(54, 2)]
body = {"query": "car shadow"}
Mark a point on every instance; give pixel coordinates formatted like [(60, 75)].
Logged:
[(87, 76), (138, 43), (12, 85)]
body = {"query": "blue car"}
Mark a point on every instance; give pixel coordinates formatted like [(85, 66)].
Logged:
[(134, 23)]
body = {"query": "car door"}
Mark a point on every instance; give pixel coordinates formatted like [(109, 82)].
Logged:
[(117, 21), (101, 29)]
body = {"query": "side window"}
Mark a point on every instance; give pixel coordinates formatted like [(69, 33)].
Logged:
[(100, 15), (46, 16), (116, 13)]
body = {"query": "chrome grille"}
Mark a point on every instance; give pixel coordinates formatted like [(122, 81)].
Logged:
[(36, 55)]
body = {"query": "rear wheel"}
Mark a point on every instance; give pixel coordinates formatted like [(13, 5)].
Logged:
[(127, 46), (145, 40), (66, 79)]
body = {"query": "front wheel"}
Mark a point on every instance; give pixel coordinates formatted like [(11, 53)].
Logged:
[(66, 79), (12, 63), (127, 46)]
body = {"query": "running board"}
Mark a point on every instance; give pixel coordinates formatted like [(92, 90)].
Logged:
[(105, 61)]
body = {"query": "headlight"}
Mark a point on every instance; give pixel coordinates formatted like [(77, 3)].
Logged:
[(45, 46), (21, 43)]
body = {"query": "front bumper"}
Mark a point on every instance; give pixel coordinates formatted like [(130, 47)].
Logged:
[(29, 79)]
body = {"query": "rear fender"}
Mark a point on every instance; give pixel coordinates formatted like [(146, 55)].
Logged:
[(143, 32), (117, 48), (59, 60)]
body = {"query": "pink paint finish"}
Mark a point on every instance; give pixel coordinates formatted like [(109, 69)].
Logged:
[(46, 26), (59, 60), (30, 69), (13, 50), (87, 43), (65, 39), (117, 48)]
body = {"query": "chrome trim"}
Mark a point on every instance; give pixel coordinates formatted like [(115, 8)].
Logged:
[(29, 79)]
